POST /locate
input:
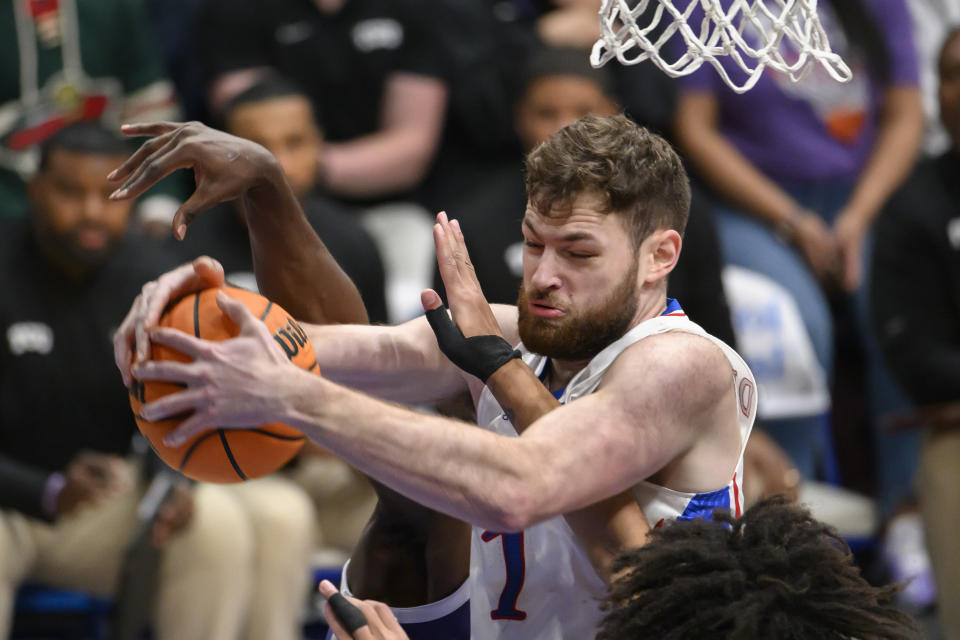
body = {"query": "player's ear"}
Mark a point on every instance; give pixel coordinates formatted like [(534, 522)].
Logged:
[(663, 250)]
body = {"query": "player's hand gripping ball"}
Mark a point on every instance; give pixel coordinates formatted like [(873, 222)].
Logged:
[(223, 455)]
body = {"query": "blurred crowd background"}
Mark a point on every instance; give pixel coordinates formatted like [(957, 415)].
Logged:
[(824, 243)]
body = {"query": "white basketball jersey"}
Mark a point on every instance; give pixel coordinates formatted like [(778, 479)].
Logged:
[(539, 584)]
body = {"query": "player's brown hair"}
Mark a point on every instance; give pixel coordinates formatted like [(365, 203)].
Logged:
[(636, 172), (774, 573)]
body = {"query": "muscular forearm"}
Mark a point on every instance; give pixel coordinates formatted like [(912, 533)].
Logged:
[(892, 156), (293, 266), (605, 528), (471, 474), (387, 362), (521, 395)]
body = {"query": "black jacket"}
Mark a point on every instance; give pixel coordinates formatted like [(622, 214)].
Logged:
[(915, 285), (60, 392)]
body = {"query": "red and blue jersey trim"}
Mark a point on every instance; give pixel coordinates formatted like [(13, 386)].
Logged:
[(702, 505), (673, 309)]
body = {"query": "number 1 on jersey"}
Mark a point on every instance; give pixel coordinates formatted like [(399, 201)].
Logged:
[(516, 570)]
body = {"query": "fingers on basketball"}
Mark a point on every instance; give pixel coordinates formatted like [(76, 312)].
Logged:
[(222, 455)]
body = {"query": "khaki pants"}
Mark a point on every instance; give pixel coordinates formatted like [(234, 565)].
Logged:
[(239, 569), (938, 483)]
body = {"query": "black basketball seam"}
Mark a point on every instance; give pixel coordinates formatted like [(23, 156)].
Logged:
[(316, 365), (193, 447), (196, 315), (226, 449), (278, 436), (266, 311)]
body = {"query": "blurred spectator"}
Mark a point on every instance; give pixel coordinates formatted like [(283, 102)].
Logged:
[(371, 68), (646, 94), (932, 20), (276, 114), (233, 558), (915, 301), (486, 45), (803, 170), (373, 71), (67, 60)]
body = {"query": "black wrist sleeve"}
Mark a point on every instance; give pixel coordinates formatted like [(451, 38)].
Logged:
[(479, 356), (349, 616)]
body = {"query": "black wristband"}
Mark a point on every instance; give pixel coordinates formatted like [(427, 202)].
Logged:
[(479, 356), (349, 616)]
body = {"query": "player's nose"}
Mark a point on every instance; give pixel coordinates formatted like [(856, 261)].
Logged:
[(546, 275)]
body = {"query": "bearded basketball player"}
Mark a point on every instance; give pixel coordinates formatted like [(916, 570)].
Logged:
[(650, 404)]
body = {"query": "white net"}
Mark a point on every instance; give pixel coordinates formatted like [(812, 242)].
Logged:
[(785, 35)]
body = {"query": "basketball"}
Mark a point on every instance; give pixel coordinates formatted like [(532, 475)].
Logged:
[(223, 455)]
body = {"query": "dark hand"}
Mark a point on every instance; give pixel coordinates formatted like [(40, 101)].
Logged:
[(92, 478), (850, 232), (938, 417), (817, 246), (174, 515), (147, 308), (768, 470), (225, 167)]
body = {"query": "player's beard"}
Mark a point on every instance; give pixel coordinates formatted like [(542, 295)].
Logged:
[(579, 335)]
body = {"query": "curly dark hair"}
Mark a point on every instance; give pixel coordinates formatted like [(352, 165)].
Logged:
[(636, 172), (775, 573)]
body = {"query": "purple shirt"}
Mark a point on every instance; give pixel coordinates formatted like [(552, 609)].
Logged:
[(817, 129)]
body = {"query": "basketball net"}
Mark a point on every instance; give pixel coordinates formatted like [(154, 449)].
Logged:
[(720, 34)]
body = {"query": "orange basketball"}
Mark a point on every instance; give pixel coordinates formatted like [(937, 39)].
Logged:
[(223, 455)]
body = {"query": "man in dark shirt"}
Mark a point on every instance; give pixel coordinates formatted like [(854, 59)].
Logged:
[(915, 300), (68, 496), (371, 67)]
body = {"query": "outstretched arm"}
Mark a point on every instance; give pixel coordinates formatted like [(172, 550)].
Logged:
[(658, 395), (293, 266), (623, 433)]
